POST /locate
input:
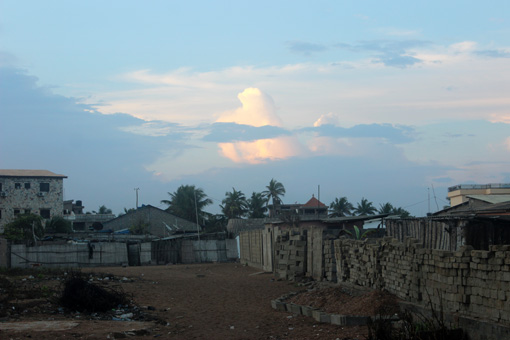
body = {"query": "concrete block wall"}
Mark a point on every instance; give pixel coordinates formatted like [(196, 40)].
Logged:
[(329, 260), (467, 282), (291, 254), (251, 251)]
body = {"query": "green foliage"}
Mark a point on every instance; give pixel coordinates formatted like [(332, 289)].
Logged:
[(273, 192), (256, 205), (104, 210), (127, 211), (340, 207), (139, 228), (234, 205), (365, 208), (182, 203), (216, 223), (25, 229), (358, 235), (58, 224)]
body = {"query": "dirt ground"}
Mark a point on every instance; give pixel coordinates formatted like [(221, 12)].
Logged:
[(204, 301)]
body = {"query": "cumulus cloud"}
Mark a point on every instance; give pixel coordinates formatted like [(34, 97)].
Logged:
[(257, 109), (261, 150), (507, 143), (328, 118)]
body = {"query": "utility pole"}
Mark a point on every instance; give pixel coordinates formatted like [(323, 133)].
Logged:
[(196, 212), (136, 190)]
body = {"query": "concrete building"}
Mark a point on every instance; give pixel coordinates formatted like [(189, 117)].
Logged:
[(39, 192), (458, 194), (313, 207)]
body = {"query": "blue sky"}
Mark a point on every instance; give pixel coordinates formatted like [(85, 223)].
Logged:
[(382, 100)]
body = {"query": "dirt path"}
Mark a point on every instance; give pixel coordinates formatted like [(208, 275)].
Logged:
[(207, 301)]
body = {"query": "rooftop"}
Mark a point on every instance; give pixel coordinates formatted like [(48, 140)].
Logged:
[(29, 173), (479, 186)]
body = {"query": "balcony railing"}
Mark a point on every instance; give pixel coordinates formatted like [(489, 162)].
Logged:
[(479, 186)]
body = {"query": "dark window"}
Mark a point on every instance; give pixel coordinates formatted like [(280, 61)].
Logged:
[(17, 185), (16, 212), (44, 187), (0, 214), (45, 213), (27, 185), (1, 187), (27, 211)]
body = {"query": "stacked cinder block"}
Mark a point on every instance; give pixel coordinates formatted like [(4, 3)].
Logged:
[(471, 283), (329, 260), (290, 254)]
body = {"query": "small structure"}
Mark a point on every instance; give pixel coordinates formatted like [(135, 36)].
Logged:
[(151, 220), (459, 194), (39, 192), (313, 207)]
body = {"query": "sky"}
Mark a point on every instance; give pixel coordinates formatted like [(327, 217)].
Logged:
[(392, 101)]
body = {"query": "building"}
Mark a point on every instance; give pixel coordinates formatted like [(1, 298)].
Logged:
[(458, 194), (39, 192), (313, 207), (156, 221)]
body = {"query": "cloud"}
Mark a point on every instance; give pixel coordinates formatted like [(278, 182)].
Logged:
[(305, 48), (494, 53), (507, 143), (388, 132), (261, 150), (327, 119), (394, 53), (257, 109), (232, 132)]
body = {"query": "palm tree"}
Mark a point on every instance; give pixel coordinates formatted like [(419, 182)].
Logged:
[(401, 212), (187, 202), (340, 207), (234, 204), (274, 190), (365, 208), (386, 208), (256, 205)]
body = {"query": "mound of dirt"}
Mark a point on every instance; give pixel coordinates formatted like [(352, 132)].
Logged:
[(340, 300)]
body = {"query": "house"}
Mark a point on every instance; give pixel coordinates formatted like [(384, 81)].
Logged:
[(458, 194), (473, 203), (39, 192), (313, 207), (155, 221)]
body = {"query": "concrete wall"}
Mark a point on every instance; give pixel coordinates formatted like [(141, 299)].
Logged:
[(467, 282), (69, 255), (194, 251)]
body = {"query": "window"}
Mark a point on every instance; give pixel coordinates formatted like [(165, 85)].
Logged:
[(17, 185), (44, 187), (27, 211), (1, 187), (27, 185), (16, 212), (0, 214), (45, 213)]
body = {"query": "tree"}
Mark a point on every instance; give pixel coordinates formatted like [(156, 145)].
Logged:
[(358, 235), (365, 208), (103, 210), (386, 208), (186, 202), (127, 211), (234, 205), (274, 190), (401, 212), (340, 207), (256, 205), (216, 223), (58, 224), (26, 228)]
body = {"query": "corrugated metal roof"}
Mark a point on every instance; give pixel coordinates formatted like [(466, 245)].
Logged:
[(28, 173)]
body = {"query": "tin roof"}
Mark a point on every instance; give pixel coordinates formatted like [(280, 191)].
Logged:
[(29, 173)]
